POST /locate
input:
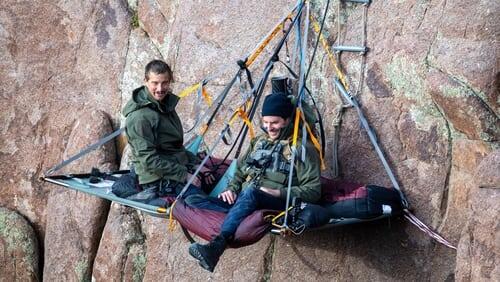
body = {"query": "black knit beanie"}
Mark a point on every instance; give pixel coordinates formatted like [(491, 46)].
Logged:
[(277, 104)]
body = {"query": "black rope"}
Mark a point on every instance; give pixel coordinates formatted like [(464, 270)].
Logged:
[(317, 40), (320, 123), (188, 236), (224, 95)]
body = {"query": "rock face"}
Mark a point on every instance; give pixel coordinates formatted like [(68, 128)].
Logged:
[(56, 58), (19, 253), (429, 89), (122, 254), (75, 220), (479, 250)]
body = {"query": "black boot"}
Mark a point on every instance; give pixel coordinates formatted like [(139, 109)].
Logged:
[(208, 255)]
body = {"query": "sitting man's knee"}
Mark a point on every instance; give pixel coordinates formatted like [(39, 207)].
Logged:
[(248, 193)]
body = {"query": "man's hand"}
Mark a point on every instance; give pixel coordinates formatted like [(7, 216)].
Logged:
[(207, 175), (196, 180), (228, 196), (272, 192)]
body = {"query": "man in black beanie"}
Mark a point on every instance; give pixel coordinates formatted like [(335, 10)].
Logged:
[(261, 180)]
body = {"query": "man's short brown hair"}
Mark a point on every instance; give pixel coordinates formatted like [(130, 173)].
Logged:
[(158, 67)]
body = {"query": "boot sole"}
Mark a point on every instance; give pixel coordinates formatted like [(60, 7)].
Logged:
[(193, 251)]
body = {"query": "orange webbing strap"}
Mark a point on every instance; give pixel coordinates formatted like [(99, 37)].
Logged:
[(203, 129), (296, 127), (266, 41), (325, 45), (206, 96), (315, 142), (171, 221), (188, 90), (243, 115)]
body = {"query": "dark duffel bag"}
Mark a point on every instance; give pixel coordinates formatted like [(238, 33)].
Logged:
[(127, 185)]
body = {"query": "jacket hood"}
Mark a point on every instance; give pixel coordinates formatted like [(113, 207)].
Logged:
[(141, 99)]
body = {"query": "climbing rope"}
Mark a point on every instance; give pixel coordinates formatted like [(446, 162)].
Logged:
[(426, 229)]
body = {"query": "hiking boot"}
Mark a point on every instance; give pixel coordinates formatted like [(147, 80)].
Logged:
[(208, 255)]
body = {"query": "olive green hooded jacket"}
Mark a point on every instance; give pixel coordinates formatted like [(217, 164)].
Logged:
[(306, 175), (154, 132)]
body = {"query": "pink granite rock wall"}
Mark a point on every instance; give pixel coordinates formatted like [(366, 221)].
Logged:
[(430, 90)]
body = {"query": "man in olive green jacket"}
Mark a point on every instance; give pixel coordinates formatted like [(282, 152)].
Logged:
[(261, 181), (155, 133)]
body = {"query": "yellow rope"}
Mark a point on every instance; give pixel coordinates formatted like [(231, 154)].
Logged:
[(326, 47), (273, 221), (296, 127), (171, 221)]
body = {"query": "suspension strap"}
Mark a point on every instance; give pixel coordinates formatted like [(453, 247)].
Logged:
[(337, 122), (202, 93), (222, 96), (303, 56), (206, 96), (290, 173), (296, 127), (371, 134), (85, 151), (244, 117), (251, 58), (188, 90), (301, 91)]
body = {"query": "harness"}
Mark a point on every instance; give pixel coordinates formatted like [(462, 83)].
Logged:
[(267, 156)]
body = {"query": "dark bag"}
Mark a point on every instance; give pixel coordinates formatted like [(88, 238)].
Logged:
[(127, 185), (351, 200)]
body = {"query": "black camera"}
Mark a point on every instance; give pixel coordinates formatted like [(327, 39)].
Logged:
[(263, 162)]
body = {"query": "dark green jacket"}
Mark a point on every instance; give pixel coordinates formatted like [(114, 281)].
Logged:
[(154, 132), (306, 176)]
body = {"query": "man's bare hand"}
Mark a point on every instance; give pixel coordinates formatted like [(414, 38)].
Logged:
[(272, 192), (228, 196)]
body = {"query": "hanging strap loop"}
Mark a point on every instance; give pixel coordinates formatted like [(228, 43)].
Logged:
[(85, 151)]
